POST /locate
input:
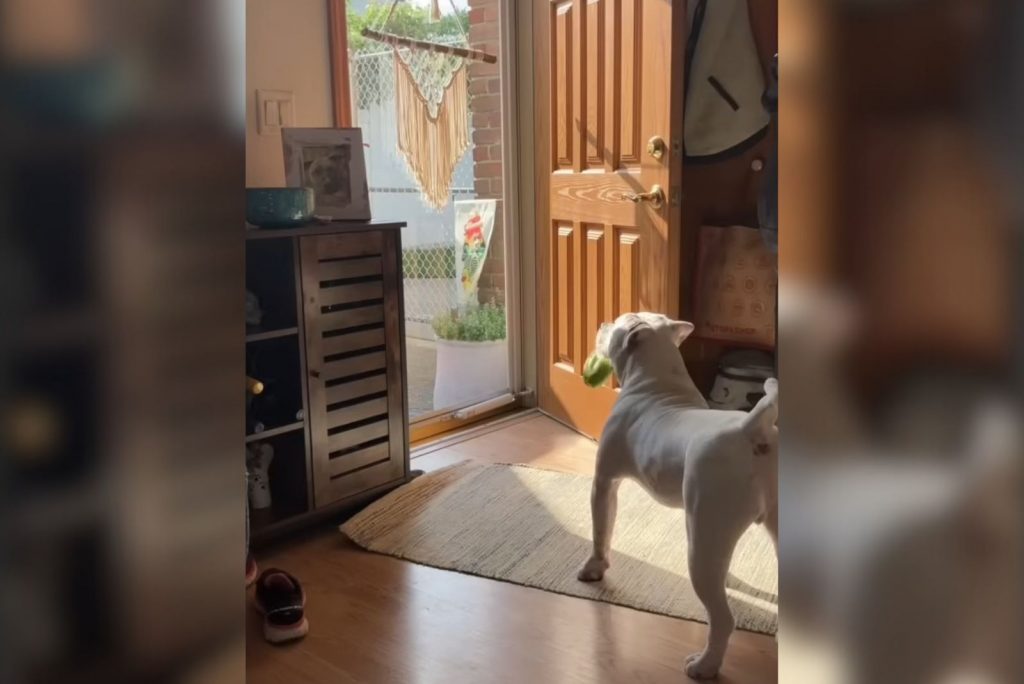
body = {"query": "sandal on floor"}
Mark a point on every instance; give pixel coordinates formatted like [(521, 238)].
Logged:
[(280, 598)]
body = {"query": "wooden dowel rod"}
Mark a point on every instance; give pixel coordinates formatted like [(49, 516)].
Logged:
[(433, 47)]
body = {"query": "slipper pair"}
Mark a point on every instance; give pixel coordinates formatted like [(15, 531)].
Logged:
[(280, 598)]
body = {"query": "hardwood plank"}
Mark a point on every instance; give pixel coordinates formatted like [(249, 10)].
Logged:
[(376, 618)]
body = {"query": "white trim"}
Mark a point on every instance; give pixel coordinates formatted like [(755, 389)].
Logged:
[(518, 147), (510, 193), (485, 406)]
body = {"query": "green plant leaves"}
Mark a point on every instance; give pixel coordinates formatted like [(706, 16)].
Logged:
[(473, 324)]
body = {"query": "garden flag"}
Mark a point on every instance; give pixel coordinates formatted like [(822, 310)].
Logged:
[(474, 224)]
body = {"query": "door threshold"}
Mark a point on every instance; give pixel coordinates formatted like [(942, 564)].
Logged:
[(445, 440)]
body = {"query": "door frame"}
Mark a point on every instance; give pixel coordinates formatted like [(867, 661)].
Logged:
[(519, 300), (515, 59), (525, 147)]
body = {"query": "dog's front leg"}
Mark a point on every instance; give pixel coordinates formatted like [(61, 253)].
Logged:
[(604, 498)]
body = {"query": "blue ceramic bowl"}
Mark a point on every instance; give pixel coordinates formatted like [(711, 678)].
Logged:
[(279, 207)]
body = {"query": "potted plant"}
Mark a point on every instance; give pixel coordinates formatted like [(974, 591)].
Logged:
[(472, 355)]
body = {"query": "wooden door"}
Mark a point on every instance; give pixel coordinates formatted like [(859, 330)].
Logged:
[(351, 290), (608, 80)]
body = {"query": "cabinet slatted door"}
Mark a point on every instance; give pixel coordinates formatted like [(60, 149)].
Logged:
[(352, 297)]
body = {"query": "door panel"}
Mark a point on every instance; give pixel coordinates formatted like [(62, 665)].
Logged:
[(608, 79)]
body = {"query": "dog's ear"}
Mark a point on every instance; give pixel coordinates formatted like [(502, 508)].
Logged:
[(680, 330), (627, 339), (633, 337)]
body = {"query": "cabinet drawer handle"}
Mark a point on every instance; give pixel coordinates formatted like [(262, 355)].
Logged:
[(314, 373)]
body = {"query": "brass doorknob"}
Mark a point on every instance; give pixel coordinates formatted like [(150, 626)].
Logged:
[(656, 196)]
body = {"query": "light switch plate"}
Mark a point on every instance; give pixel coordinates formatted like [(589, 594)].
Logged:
[(275, 109)]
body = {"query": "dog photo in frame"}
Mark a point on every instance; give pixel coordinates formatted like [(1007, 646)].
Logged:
[(331, 161)]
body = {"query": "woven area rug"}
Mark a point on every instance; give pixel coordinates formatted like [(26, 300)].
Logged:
[(532, 527)]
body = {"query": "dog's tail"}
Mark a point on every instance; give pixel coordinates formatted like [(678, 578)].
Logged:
[(759, 425)]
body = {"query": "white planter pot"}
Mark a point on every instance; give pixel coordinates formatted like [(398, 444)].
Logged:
[(468, 372)]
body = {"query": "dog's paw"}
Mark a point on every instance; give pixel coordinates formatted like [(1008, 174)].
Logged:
[(699, 666), (592, 570)]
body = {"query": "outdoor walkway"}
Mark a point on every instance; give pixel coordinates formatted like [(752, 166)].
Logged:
[(421, 361)]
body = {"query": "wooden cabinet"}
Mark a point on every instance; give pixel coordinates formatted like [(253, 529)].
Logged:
[(352, 312), (344, 286)]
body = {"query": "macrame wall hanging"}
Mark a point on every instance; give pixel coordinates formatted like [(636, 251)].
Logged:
[(432, 102)]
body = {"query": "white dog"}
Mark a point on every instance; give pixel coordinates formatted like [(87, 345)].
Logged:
[(720, 466)]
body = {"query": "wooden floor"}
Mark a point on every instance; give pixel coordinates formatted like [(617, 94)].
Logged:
[(379, 620)]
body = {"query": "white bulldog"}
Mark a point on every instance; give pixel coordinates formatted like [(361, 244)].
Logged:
[(720, 466)]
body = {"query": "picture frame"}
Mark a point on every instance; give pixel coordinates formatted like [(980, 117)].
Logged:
[(331, 161)]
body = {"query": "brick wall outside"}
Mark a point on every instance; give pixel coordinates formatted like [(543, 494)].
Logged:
[(485, 110)]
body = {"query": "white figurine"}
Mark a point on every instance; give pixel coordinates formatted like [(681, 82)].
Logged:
[(257, 460)]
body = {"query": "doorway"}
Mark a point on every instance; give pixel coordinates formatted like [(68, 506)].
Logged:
[(455, 260)]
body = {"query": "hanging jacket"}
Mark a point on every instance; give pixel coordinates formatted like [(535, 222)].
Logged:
[(724, 83), (768, 198)]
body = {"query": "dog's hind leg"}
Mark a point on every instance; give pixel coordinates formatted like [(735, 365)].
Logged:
[(604, 499), (710, 549)]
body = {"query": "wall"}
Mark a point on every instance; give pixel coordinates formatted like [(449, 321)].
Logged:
[(286, 49), (485, 109)]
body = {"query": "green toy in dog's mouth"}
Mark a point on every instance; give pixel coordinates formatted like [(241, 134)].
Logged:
[(597, 370)]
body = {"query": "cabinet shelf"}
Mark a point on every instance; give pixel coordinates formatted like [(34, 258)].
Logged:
[(260, 335), (262, 520), (274, 432)]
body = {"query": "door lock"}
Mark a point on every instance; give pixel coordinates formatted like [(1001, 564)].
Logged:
[(656, 147)]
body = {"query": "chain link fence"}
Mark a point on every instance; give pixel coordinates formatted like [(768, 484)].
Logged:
[(428, 243)]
